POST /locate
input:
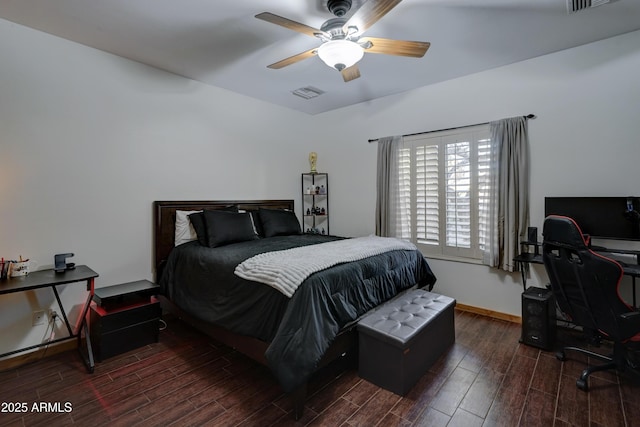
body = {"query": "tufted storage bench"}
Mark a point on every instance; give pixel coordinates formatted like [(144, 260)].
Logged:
[(402, 339)]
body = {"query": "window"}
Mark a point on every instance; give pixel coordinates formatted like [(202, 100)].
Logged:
[(445, 182)]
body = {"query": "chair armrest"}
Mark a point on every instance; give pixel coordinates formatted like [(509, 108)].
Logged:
[(630, 324)]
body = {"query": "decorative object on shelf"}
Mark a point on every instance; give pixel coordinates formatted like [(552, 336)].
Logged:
[(313, 159), (322, 190), (316, 211)]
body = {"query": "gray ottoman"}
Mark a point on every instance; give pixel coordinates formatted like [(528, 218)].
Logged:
[(402, 339)]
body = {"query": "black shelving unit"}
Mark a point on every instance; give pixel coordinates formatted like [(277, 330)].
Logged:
[(315, 203)]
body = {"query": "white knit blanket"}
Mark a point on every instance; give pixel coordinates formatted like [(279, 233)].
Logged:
[(286, 270)]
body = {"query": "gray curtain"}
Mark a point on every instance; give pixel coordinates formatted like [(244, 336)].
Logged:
[(387, 186), (511, 142)]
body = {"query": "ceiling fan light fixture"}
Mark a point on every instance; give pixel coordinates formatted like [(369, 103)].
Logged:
[(340, 54)]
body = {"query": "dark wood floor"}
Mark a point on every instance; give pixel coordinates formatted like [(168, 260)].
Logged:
[(486, 379)]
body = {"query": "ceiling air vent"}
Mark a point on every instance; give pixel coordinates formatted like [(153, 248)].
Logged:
[(307, 92), (574, 6)]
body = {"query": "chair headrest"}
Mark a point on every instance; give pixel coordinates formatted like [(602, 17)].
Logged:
[(564, 231)]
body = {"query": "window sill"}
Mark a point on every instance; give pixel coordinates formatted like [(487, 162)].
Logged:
[(452, 258)]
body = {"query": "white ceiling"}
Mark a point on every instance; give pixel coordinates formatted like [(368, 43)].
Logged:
[(219, 42)]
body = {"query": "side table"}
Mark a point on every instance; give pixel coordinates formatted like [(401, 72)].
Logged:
[(124, 317)]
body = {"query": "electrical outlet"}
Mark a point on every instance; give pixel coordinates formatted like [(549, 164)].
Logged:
[(39, 317)]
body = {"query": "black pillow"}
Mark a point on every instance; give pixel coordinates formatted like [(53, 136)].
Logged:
[(197, 220), (277, 222), (227, 227)]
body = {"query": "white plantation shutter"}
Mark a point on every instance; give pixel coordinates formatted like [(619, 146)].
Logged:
[(486, 190), (426, 195), (403, 213), (447, 178), (457, 193)]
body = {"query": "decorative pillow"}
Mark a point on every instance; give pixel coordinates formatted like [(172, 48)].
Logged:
[(184, 230), (276, 222), (197, 221), (227, 227)]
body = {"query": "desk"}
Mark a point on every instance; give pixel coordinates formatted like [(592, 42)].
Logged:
[(50, 279), (524, 259)]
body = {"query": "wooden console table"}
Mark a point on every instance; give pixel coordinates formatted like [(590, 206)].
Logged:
[(50, 279)]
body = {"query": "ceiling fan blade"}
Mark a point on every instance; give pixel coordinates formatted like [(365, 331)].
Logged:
[(394, 47), (369, 13), (293, 59), (292, 25), (350, 73)]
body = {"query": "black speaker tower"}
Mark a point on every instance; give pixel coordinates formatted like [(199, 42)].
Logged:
[(538, 318)]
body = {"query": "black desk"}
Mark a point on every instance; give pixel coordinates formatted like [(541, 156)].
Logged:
[(524, 259), (51, 279)]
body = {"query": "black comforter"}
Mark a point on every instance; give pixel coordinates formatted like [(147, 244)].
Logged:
[(200, 280)]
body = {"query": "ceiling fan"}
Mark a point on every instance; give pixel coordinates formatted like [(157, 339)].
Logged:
[(342, 47)]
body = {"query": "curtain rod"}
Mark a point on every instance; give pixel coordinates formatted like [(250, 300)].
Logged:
[(528, 116)]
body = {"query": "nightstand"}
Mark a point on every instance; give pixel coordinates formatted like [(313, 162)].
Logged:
[(124, 317)]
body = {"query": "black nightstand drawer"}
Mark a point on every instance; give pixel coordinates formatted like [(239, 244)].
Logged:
[(125, 339), (108, 321), (116, 332)]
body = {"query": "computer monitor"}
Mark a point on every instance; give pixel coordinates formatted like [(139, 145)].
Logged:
[(600, 217)]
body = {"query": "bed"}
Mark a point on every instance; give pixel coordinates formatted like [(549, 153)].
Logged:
[(293, 335)]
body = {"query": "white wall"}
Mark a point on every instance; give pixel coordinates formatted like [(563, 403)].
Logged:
[(585, 141), (88, 141)]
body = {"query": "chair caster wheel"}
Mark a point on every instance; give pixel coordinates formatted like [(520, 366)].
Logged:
[(582, 384), (561, 356)]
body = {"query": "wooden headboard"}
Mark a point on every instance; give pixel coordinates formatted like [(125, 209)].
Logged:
[(164, 219)]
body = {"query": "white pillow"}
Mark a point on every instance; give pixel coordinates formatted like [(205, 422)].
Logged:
[(184, 230)]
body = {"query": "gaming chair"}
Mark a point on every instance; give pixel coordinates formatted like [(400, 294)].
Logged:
[(585, 285)]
